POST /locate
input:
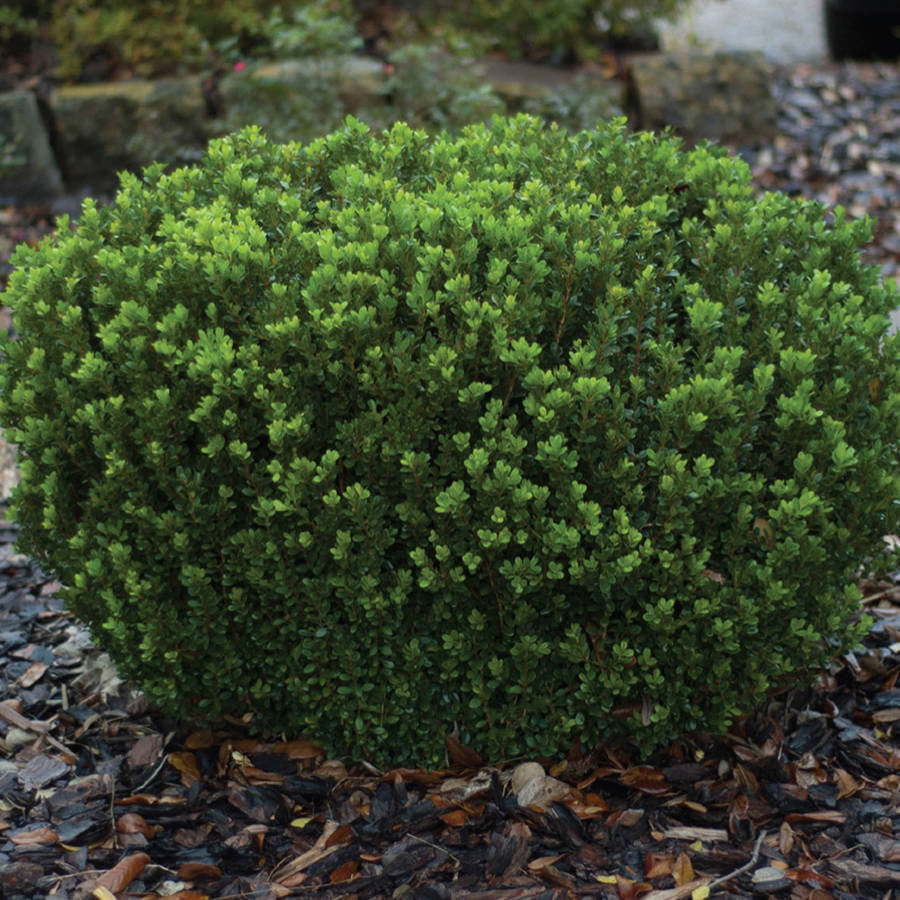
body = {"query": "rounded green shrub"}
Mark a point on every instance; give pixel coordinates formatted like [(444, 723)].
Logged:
[(518, 435)]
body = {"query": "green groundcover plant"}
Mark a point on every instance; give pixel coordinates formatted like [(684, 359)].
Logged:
[(519, 435)]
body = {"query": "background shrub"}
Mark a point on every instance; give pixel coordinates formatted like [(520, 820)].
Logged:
[(98, 39), (94, 39), (559, 30), (521, 434), (434, 88), (426, 86)]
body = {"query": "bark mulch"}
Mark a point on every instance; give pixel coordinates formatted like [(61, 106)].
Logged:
[(102, 798)]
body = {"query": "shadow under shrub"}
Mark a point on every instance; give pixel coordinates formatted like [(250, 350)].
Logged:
[(521, 434)]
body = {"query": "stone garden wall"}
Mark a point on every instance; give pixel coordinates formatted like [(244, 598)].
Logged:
[(77, 137)]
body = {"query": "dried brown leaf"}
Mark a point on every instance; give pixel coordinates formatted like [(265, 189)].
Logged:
[(341, 835), (542, 862), (202, 739), (301, 751), (658, 865), (123, 872), (646, 779), (344, 872), (455, 818), (683, 871), (626, 818), (807, 876), (197, 871), (460, 755), (185, 762), (33, 674), (45, 835), (785, 839), (331, 768), (847, 785), (134, 823)]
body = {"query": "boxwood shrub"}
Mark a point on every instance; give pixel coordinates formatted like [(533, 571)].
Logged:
[(518, 435)]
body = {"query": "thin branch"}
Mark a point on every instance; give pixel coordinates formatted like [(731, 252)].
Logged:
[(873, 597), (443, 850), (745, 867)]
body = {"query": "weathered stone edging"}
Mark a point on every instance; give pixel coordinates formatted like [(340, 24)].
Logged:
[(97, 130)]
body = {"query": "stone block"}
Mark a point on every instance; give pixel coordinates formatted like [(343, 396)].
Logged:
[(28, 170), (538, 89), (355, 79), (724, 97), (104, 128)]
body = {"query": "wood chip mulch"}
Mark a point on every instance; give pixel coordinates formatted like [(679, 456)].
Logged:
[(102, 798)]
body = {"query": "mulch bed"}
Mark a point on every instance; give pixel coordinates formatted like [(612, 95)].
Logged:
[(103, 798)]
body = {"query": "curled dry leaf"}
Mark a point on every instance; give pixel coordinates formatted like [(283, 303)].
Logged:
[(202, 739), (646, 779), (123, 872), (197, 871), (344, 872), (134, 823), (543, 861), (625, 818), (331, 768), (33, 674), (658, 865), (34, 836), (683, 871), (186, 763), (693, 889), (456, 817), (460, 755), (302, 751)]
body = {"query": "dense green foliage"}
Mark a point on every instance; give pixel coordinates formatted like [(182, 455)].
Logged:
[(115, 35), (147, 37), (559, 29), (529, 435), (158, 37)]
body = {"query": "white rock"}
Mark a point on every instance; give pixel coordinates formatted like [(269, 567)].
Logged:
[(523, 773), (542, 791), (769, 880), (17, 738)]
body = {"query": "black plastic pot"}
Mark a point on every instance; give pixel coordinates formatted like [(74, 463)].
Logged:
[(863, 29)]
